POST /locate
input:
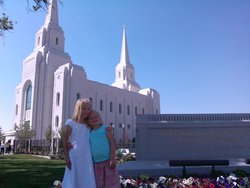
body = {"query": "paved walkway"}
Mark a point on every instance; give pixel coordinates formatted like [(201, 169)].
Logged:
[(159, 168)]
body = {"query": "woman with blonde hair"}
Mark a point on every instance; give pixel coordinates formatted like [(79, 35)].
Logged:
[(79, 172)]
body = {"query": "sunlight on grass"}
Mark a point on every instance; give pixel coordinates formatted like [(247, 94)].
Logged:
[(29, 171), (20, 156)]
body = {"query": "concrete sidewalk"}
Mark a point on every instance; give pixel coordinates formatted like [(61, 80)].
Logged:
[(159, 168)]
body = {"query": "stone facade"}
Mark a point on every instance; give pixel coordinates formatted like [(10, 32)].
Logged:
[(192, 136)]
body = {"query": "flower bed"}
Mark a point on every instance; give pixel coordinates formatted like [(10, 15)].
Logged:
[(237, 179), (230, 181)]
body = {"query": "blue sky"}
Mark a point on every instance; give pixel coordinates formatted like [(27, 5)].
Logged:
[(196, 54)]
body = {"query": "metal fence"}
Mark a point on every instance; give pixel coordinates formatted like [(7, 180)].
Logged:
[(31, 146), (44, 147)]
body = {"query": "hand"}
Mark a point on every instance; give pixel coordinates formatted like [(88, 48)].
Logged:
[(69, 146), (112, 164), (109, 129), (68, 163)]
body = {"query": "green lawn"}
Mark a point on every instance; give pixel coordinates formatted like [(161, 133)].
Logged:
[(26, 171)]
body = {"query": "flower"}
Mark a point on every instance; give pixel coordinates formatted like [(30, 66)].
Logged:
[(57, 184), (143, 181)]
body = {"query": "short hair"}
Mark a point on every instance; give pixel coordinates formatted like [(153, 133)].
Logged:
[(78, 108)]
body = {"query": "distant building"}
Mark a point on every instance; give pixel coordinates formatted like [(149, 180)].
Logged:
[(51, 84), (9, 136)]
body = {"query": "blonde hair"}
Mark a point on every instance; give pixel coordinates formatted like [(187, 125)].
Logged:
[(78, 109)]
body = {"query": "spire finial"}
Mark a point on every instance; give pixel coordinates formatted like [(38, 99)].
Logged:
[(124, 59), (52, 14)]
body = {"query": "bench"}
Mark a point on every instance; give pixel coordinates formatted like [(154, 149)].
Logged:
[(185, 163)]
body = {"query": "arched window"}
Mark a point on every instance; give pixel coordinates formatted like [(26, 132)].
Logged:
[(16, 109), (110, 107), (57, 121), (57, 41), (120, 108), (101, 105), (58, 99), (136, 109), (78, 95), (38, 40), (28, 98)]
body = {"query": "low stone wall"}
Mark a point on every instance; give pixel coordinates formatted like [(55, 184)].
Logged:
[(192, 136)]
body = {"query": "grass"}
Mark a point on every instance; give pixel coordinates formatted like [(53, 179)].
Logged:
[(26, 171)]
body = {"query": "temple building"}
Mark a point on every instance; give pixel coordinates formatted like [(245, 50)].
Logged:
[(51, 83)]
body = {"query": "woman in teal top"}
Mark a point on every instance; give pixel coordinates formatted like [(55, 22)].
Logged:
[(102, 146)]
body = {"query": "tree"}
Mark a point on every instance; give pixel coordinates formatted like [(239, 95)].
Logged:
[(61, 134), (1, 134), (6, 24), (24, 132), (49, 133)]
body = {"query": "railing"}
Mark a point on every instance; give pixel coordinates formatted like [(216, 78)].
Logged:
[(44, 147), (194, 117), (31, 146)]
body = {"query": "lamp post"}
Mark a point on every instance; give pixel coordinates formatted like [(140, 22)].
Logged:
[(123, 135), (113, 129)]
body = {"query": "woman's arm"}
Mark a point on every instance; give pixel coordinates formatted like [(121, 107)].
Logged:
[(67, 133), (112, 146)]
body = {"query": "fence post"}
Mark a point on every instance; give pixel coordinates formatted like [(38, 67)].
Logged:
[(29, 145), (52, 146)]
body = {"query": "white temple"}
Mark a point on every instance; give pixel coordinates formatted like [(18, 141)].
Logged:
[(51, 84)]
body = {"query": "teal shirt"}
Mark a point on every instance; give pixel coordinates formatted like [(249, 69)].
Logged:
[(99, 144)]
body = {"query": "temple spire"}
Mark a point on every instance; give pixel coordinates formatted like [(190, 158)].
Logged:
[(124, 59), (125, 72), (50, 34), (52, 13)]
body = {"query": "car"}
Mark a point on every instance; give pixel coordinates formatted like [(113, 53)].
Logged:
[(121, 152), (133, 155)]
